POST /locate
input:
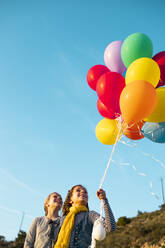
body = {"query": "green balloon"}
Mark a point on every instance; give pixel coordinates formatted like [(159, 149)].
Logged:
[(136, 46)]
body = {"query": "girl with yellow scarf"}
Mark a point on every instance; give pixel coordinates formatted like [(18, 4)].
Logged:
[(77, 221)]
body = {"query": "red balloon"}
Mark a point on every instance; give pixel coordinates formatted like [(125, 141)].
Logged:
[(94, 74), (158, 56), (160, 59), (109, 88), (105, 111)]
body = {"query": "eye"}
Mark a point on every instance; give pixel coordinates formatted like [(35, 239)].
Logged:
[(84, 190)]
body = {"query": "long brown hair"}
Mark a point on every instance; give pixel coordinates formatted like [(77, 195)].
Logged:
[(67, 204)]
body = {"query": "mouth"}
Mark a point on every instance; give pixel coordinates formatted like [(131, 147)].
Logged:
[(83, 196), (58, 202)]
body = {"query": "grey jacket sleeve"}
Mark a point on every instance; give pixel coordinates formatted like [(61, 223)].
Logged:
[(31, 235), (108, 221)]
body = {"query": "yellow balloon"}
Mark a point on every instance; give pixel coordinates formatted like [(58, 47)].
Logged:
[(107, 131), (143, 69), (158, 115)]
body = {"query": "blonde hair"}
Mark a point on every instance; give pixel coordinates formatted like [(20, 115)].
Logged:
[(46, 202)]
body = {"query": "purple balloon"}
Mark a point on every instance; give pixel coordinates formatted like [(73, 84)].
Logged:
[(112, 57)]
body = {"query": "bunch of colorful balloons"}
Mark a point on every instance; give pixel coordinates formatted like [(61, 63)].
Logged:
[(133, 105)]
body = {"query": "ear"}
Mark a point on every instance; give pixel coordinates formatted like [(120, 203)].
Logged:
[(47, 205)]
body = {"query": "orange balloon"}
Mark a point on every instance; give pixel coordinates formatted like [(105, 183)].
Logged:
[(133, 130), (137, 101)]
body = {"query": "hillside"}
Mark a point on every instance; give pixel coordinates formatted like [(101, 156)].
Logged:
[(147, 230)]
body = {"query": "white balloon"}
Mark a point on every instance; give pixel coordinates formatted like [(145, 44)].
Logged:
[(99, 232)]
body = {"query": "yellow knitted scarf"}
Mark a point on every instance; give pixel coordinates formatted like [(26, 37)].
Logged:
[(67, 226)]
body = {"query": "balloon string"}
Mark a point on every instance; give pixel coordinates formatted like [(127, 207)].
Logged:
[(101, 209), (110, 159), (139, 173)]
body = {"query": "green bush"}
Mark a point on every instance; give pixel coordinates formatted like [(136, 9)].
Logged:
[(122, 221)]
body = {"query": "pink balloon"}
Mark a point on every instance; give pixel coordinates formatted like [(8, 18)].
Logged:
[(112, 57)]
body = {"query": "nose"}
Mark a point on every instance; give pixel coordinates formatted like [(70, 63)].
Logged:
[(83, 191), (59, 199)]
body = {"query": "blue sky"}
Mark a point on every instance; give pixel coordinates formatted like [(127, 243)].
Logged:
[(48, 113)]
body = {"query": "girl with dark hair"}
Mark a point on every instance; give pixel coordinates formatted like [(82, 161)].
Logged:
[(77, 221), (44, 230)]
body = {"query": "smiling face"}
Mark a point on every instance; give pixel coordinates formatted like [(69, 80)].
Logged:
[(53, 201), (79, 196)]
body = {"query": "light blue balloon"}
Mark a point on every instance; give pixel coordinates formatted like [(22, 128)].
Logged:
[(154, 131), (124, 73)]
